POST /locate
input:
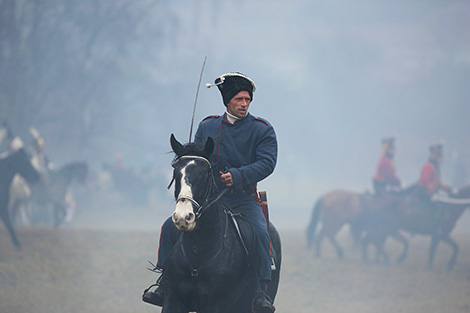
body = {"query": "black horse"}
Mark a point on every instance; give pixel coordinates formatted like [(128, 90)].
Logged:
[(17, 162), (412, 216), (53, 193), (210, 269)]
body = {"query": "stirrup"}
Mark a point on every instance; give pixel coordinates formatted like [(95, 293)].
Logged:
[(262, 303), (154, 297)]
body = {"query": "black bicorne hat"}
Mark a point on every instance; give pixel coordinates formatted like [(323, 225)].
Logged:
[(386, 143), (436, 149), (232, 83)]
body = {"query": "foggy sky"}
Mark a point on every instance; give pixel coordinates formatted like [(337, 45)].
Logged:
[(333, 78)]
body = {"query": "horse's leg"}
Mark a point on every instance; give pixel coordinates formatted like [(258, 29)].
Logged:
[(27, 212), (399, 237), (432, 250), (455, 250), (59, 214), (380, 244), (318, 242), (11, 230), (172, 304), (356, 233), (366, 240), (339, 250), (13, 211)]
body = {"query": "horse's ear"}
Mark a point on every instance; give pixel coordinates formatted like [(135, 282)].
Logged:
[(209, 147), (176, 145)]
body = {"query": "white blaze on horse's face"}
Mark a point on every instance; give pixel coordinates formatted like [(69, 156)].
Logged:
[(184, 217)]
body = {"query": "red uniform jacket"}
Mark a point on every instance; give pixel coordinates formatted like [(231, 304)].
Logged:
[(386, 172), (430, 178)]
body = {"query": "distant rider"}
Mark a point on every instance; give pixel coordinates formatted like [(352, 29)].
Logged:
[(430, 180), (385, 178)]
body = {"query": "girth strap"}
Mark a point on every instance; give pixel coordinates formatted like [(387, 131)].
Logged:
[(237, 227)]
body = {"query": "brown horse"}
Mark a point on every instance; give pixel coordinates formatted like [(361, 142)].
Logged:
[(375, 223), (409, 216), (334, 210), (338, 208)]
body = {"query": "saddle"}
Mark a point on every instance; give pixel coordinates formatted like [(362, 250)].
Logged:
[(246, 235), (244, 230)]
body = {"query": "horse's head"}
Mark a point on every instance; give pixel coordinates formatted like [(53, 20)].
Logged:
[(80, 170), (192, 173), (464, 192), (75, 171), (20, 162)]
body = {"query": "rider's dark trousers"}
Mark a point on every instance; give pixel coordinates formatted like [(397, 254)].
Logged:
[(250, 208)]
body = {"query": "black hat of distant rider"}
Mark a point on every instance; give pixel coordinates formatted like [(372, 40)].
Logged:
[(436, 149), (231, 84)]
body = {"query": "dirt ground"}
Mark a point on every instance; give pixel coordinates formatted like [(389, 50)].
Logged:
[(99, 269)]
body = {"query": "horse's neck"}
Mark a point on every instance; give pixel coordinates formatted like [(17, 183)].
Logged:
[(456, 212), (62, 177), (208, 234), (7, 171)]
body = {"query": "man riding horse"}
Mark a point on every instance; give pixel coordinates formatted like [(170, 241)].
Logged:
[(39, 160), (385, 177), (430, 179), (246, 153)]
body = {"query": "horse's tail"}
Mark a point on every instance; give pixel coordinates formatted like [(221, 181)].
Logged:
[(312, 227)]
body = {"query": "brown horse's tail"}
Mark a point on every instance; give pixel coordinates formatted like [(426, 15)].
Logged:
[(312, 227)]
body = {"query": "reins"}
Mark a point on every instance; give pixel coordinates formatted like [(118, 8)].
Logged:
[(195, 270), (200, 209), (451, 200)]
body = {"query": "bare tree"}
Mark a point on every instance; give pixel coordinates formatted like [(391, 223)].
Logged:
[(61, 61)]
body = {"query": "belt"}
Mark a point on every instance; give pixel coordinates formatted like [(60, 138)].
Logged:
[(247, 191)]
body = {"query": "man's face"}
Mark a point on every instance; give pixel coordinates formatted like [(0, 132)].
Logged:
[(239, 104)]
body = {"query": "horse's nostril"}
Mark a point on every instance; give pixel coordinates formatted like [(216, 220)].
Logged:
[(190, 217)]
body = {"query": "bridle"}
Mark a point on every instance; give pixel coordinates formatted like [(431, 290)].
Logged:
[(211, 186)]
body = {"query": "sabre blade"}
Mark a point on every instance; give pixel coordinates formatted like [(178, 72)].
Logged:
[(195, 100)]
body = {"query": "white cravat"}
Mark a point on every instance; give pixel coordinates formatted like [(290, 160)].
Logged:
[(231, 118)]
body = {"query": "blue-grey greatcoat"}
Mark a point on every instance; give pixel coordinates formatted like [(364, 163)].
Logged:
[(248, 149)]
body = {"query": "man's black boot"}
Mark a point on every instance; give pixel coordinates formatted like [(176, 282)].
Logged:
[(262, 303), (156, 297)]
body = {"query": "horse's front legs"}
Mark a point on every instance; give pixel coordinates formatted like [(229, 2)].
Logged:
[(455, 251), (318, 243), (432, 250), (9, 225), (339, 250), (59, 214), (172, 304), (399, 237)]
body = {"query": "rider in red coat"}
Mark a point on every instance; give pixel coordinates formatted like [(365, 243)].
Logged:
[(385, 177), (430, 182), (430, 179)]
